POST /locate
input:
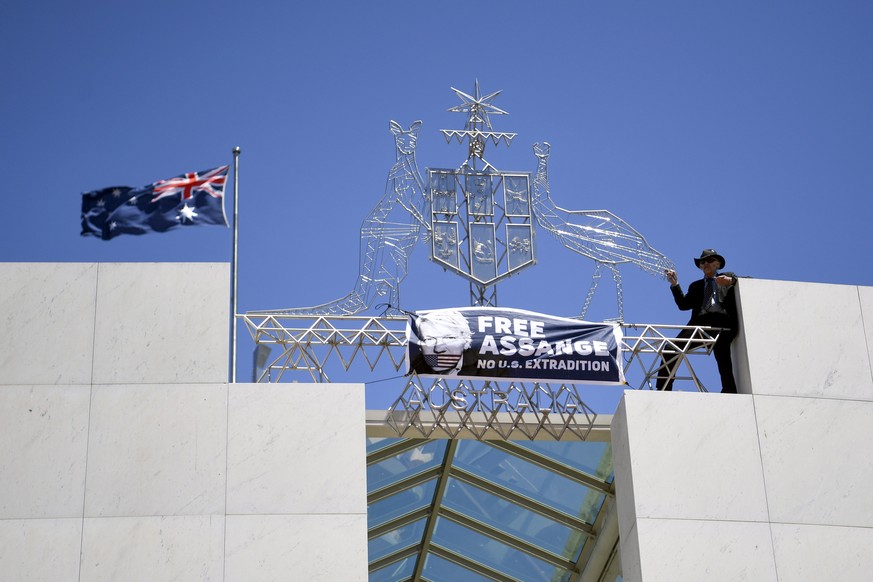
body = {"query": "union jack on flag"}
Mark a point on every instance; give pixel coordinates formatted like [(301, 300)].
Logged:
[(191, 199), (210, 181)]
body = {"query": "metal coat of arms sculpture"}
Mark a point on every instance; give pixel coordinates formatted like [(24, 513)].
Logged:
[(481, 223), (478, 221), (481, 218)]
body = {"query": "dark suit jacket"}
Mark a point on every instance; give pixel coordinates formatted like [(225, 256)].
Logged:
[(693, 300)]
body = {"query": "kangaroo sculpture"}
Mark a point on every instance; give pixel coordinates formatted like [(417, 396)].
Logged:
[(388, 234)]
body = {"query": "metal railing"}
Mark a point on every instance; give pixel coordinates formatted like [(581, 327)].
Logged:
[(444, 407), (315, 344)]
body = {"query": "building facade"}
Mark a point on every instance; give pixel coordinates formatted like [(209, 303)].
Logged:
[(127, 455)]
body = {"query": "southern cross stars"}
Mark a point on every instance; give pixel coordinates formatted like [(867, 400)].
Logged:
[(186, 213), (477, 108)]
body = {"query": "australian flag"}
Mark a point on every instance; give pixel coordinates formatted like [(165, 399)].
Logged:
[(195, 198)]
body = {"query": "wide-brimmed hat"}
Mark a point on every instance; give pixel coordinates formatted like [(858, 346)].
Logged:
[(705, 254)]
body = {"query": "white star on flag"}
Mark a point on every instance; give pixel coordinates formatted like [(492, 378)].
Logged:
[(188, 213)]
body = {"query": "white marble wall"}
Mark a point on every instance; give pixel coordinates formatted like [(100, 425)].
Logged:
[(698, 510), (125, 455), (805, 339), (772, 484), (115, 323), (296, 482), (47, 322), (161, 323)]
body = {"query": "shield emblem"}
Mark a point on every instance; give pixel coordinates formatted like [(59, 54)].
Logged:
[(481, 223)]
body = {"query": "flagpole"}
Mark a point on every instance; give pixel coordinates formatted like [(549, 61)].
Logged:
[(233, 268)]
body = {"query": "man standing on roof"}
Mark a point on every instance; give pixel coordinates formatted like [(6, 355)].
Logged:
[(712, 303)]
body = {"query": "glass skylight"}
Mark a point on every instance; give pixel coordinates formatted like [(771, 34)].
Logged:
[(459, 510)]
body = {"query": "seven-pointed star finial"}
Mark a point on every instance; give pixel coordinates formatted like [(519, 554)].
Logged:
[(476, 107)]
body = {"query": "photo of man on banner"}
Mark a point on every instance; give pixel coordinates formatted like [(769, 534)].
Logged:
[(444, 336)]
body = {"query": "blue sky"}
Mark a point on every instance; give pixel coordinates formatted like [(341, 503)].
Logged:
[(744, 126)]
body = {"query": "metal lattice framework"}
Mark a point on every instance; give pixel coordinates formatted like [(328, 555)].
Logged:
[(331, 338), (314, 344), (444, 407), (403, 217)]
